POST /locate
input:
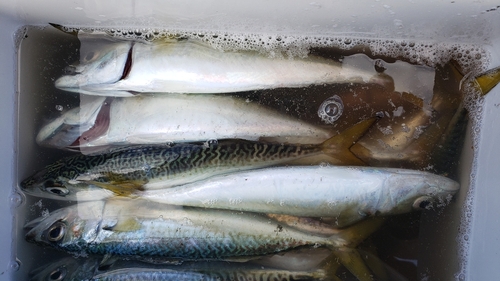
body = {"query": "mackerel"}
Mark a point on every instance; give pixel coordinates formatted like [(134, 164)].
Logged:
[(71, 269), (112, 67), (154, 119), (125, 170), (347, 194), (138, 229)]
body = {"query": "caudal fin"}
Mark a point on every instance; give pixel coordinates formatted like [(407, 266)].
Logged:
[(347, 255), (488, 80), (338, 146), (381, 270)]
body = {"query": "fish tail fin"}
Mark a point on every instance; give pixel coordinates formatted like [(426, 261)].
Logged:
[(338, 146), (375, 265), (409, 97), (381, 270), (347, 255), (488, 80), (329, 267)]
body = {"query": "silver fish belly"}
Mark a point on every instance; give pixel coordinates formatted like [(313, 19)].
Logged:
[(123, 68), (153, 119), (348, 194)]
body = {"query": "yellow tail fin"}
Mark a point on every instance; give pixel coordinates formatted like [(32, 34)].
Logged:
[(488, 80), (338, 146), (347, 255)]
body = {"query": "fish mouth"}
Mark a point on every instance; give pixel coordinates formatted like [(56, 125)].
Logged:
[(62, 136), (100, 127), (32, 224), (30, 236), (76, 78), (70, 134), (70, 70)]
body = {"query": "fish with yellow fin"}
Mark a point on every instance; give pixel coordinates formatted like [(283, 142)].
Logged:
[(161, 232), (100, 122), (420, 140), (116, 67), (71, 269), (125, 170)]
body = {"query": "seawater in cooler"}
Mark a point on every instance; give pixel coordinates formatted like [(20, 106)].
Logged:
[(27, 148), (404, 116)]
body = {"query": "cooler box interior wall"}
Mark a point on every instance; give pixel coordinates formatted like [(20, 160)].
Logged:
[(460, 22)]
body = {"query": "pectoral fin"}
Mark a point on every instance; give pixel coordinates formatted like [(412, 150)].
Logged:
[(107, 261), (127, 225), (121, 188)]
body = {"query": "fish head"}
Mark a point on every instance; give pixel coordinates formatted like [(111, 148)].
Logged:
[(103, 61), (416, 190), (67, 228), (65, 269), (49, 179), (65, 130), (56, 181)]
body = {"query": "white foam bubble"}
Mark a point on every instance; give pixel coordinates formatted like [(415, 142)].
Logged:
[(470, 57)]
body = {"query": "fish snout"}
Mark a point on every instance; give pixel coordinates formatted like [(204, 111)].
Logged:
[(34, 180), (443, 184), (452, 186), (68, 81), (31, 236)]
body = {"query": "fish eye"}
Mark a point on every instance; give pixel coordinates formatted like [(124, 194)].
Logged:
[(61, 191), (90, 56), (422, 203), (56, 231), (57, 274)]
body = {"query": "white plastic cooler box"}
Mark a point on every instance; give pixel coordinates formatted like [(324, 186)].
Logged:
[(450, 250)]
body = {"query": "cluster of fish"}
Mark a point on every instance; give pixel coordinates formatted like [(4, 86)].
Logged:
[(168, 174)]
